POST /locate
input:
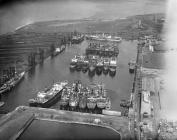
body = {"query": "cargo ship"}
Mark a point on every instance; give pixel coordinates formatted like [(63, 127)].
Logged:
[(48, 97), (12, 82), (112, 66)]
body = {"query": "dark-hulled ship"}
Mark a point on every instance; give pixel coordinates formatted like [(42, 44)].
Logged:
[(12, 82), (132, 65), (85, 66), (106, 66), (48, 97), (99, 66), (76, 39), (64, 101), (112, 66)]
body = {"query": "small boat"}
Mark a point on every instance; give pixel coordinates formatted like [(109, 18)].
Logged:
[(125, 103), (73, 63), (132, 65)]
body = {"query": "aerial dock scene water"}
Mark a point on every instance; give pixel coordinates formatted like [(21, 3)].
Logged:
[(102, 78)]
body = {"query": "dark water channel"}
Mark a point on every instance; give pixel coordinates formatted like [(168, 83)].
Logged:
[(57, 69)]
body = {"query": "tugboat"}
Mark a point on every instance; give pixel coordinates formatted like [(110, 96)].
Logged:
[(12, 82), (132, 65), (112, 66), (48, 97), (106, 66)]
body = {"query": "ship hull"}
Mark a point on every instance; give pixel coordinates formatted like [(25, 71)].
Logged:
[(91, 105), (105, 70), (48, 103), (112, 72), (72, 67), (64, 103), (99, 70), (61, 50), (131, 70), (10, 87), (101, 105), (77, 41), (84, 69)]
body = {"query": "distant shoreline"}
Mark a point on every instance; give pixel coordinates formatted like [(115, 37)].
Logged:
[(77, 21)]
